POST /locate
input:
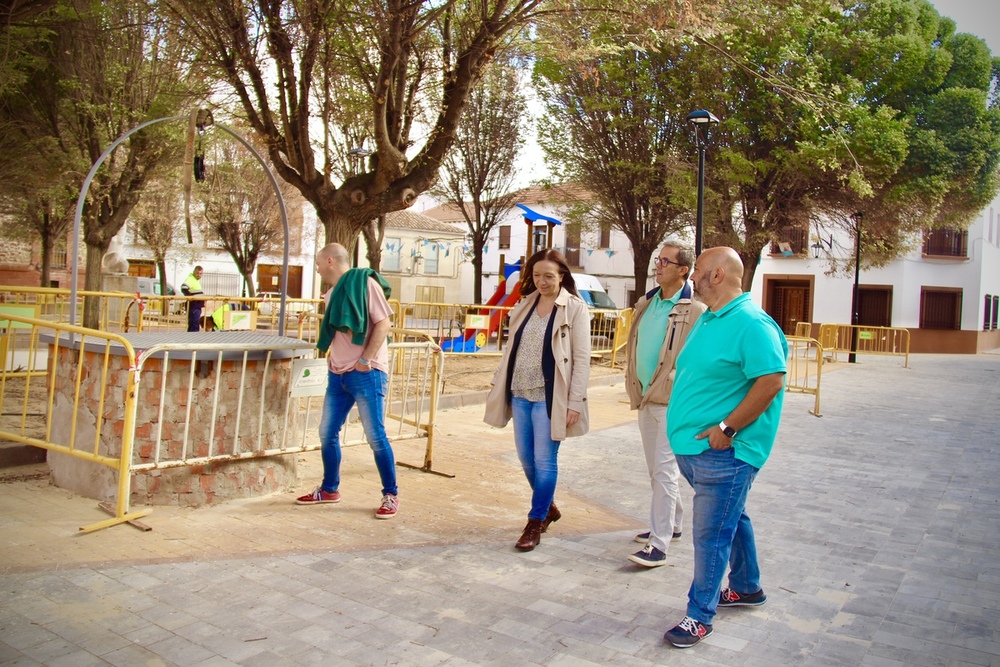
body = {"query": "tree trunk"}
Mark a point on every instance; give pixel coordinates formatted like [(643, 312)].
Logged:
[(161, 268), (45, 270), (750, 254), (93, 282), (248, 282), (477, 265), (640, 270), (338, 229), (373, 233)]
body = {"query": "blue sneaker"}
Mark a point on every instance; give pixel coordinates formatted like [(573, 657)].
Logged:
[(730, 598), (643, 538), (649, 557), (687, 633)]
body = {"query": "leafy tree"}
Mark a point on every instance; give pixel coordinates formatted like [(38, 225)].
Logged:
[(830, 112), (95, 73), (479, 172), (614, 127)]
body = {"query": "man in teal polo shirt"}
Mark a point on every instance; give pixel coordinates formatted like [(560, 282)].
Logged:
[(721, 422)]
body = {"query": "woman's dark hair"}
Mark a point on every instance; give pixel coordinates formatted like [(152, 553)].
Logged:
[(528, 280)]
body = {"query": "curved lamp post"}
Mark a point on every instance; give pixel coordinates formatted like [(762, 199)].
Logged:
[(702, 121), (858, 218), (104, 156)]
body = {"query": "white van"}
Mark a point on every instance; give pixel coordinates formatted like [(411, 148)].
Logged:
[(592, 291)]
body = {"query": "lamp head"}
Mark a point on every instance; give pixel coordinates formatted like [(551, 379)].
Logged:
[(702, 117)]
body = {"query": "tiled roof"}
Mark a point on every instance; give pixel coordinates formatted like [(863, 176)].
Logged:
[(420, 222)]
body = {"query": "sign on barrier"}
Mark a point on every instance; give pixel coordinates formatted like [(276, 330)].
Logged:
[(308, 378)]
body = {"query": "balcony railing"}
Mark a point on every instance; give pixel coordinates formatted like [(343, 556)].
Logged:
[(946, 243), (796, 238)]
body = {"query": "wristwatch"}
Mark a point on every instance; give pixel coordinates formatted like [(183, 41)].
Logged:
[(728, 430)]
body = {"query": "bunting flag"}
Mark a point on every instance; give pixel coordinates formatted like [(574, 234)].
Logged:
[(590, 252), (611, 253), (447, 251), (486, 249), (571, 249), (413, 253)]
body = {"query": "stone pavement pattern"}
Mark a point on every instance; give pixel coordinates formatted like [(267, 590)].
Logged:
[(878, 528)]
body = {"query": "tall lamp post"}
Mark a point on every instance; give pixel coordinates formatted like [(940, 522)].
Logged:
[(702, 121), (858, 219)]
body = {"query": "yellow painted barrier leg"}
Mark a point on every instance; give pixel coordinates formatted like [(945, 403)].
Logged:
[(114, 521)]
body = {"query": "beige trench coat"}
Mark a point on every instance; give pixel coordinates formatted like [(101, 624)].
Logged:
[(571, 350)]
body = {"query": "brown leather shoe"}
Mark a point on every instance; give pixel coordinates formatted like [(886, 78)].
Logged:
[(554, 515), (531, 536)]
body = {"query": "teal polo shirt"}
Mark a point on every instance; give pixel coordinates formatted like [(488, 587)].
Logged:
[(725, 353), (651, 334)]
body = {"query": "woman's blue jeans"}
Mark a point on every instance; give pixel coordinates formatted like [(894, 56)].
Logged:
[(342, 392), (722, 530), (537, 451)]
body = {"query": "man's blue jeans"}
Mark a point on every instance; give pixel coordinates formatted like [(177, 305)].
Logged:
[(342, 392), (722, 529), (537, 451)]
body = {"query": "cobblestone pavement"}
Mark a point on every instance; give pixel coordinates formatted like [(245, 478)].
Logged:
[(878, 528)]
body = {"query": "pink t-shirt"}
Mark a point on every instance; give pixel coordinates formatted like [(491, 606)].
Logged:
[(343, 354)]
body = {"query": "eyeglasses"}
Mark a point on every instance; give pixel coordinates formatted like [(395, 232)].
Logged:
[(663, 261)]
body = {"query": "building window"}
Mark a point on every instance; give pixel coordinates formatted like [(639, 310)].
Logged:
[(946, 242), (505, 237), (391, 250), (987, 312), (59, 254), (996, 309), (874, 306), (430, 253), (605, 236), (573, 244), (940, 308)]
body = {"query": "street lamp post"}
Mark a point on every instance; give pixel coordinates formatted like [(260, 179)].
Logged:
[(702, 121), (855, 318)]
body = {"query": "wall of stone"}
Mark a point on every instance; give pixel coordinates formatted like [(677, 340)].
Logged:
[(163, 439)]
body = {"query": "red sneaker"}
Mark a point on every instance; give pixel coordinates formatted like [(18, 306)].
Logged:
[(318, 497), (390, 504)]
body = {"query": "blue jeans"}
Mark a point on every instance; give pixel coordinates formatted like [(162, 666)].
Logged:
[(342, 392), (194, 316), (722, 529), (537, 451)]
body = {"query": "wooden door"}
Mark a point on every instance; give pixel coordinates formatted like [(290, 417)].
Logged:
[(789, 303)]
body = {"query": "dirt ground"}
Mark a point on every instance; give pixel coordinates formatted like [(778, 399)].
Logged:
[(467, 373)]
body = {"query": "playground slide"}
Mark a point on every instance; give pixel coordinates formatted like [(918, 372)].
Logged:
[(473, 339)]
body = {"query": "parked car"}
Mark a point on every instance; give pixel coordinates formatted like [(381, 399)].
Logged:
[(602, 320), (151, 286)]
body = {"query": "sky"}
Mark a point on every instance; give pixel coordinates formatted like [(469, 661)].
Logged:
[(978, 17)]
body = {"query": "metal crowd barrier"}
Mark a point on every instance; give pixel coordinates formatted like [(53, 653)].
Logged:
[(805, 368), (47, 412), (887, 341)]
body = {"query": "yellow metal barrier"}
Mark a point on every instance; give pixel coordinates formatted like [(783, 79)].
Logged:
[(803, 329), (805, 368), (887, 341), (41, 414)]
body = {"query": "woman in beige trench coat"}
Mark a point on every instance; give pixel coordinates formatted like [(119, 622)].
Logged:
[(542, 381)]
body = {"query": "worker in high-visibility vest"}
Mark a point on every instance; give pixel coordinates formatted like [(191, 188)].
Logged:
[(192, 287), (216, 321)]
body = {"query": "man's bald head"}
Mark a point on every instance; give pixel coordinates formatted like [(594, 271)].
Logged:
[(335, 252), (718, 276)]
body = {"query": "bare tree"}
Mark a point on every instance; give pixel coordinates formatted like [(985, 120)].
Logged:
[(478, 173), (241, 209), (300, 69), (155, 219)]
